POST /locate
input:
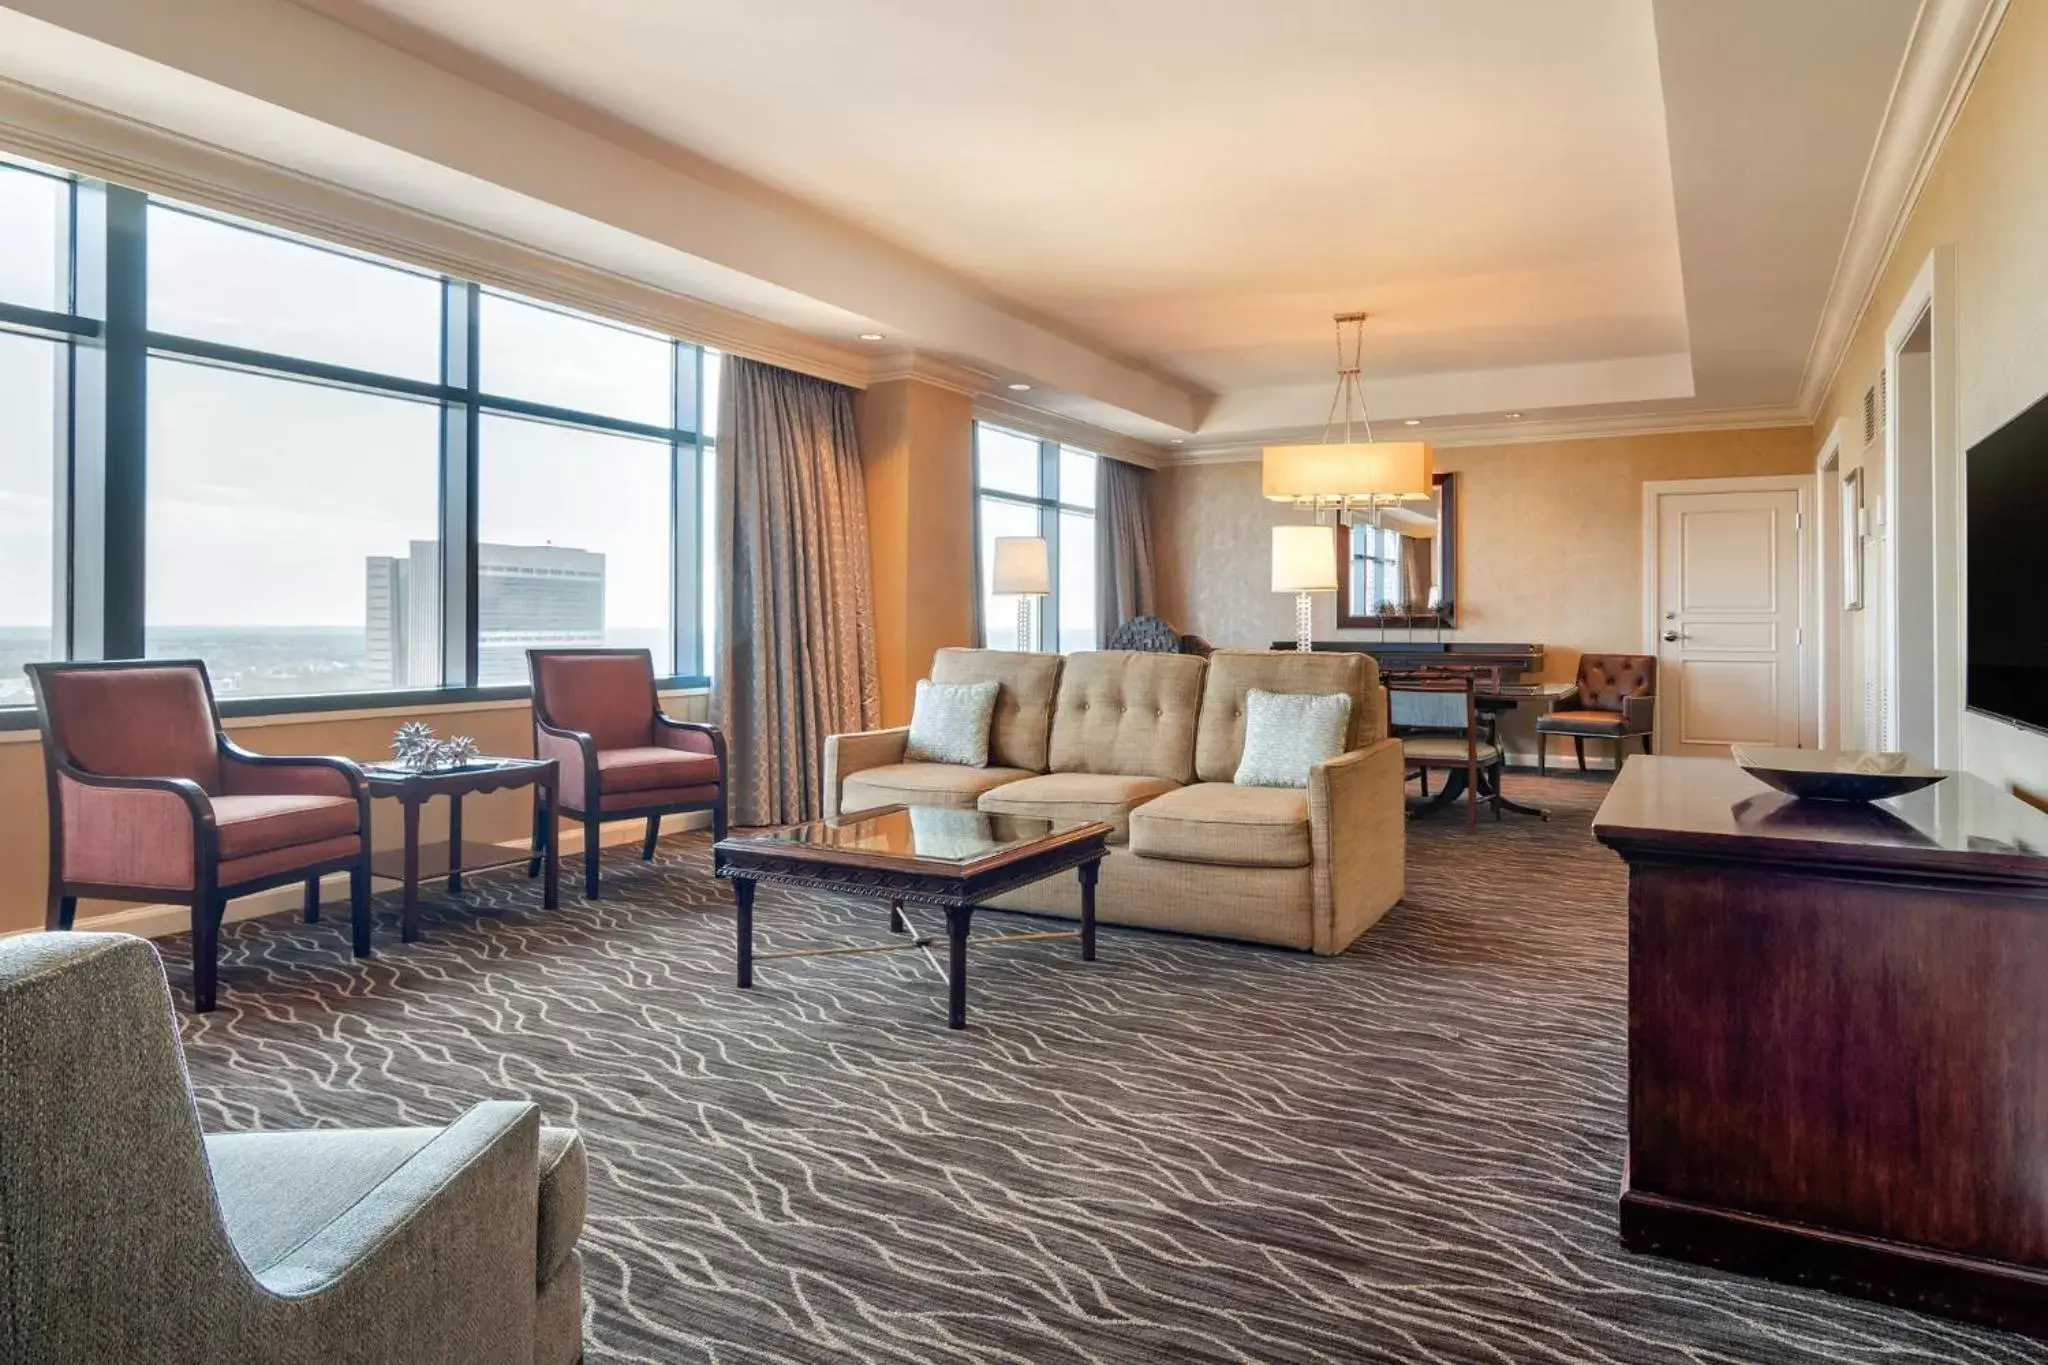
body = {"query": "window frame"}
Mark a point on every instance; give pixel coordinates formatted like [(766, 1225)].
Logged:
[(1049, 508), (102, 474)]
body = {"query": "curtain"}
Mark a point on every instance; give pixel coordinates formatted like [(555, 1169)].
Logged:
[(1123, 545), (796, 624), (1418, 570)]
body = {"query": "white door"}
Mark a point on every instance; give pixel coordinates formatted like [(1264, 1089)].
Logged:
[(1727, 616)]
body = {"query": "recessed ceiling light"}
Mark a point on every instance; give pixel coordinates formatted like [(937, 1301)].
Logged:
[(1020, 388), (1412, 422), (870, 336), (1514, 417)]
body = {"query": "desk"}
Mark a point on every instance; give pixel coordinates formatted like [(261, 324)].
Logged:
[(1836, 1027), (1419, 708)]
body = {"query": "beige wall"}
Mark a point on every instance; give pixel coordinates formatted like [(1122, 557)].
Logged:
[(917, 455), (1550, 540), (1987, 197), (500, 727)]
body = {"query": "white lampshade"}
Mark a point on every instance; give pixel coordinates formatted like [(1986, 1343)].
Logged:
[(1304, 559), (1331, 473), (1022, 566)]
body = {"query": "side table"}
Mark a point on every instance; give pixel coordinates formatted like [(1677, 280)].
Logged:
[(412, 790)]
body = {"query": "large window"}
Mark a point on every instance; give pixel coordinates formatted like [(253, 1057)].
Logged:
[(325, 473), (1029, 487)]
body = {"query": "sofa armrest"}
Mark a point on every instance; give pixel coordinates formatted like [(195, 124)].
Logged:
[(436, 1262), (848, 754), (1358, 837)]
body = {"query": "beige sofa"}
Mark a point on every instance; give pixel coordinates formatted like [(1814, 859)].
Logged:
[(1149, 743)]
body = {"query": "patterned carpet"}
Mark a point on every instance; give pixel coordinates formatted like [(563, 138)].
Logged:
[(1188, 1151)]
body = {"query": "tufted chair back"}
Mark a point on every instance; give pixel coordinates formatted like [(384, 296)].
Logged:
[(1608, 680)]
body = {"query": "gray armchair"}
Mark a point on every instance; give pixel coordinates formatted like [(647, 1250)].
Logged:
[(126, 1235)]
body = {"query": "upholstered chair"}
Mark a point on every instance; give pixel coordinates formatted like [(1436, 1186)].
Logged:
[(1445, 731), (596, 711), (126, 1235), (150, 801), (1616, 700)]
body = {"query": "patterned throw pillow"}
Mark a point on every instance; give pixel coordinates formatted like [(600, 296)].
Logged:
[(1287, 733), (949, 723)]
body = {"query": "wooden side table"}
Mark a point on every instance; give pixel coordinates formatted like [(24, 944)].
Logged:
[(412, 790)]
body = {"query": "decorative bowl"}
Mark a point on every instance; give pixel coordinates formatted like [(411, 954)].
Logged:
[(1836, 774)]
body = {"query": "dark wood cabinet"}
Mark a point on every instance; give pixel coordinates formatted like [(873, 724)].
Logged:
[(1838, 1036)]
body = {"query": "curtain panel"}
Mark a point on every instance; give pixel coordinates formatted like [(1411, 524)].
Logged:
[(1123, 545), (796, 622)]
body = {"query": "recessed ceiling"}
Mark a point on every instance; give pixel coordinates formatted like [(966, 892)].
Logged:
[(1586, 206)]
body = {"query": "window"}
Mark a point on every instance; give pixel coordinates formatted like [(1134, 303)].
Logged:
[(1029, 487), (1376, 568), (29, 424), (290, 468)]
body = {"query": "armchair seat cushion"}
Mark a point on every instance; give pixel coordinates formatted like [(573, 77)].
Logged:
[(1109, 797), (259, 824), (922, 784), (1225, 825), (644, 798), (1445, 749), (643, 769), (1583, 723)]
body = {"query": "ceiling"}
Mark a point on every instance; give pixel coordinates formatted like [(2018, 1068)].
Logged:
[(1578, 207)]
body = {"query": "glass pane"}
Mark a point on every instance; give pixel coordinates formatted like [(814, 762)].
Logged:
[(1008, 462), (918, 833), (28, 542), (999, 614), (1077, 582), (575, 530), (546, 356), (35, 237), (216, 282), (292, 532), (1077, 477)]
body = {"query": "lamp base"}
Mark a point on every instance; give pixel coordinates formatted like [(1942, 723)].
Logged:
[(1026, 637), (1304, 621)]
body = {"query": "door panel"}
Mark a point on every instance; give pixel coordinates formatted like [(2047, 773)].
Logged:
[(1728, 586)]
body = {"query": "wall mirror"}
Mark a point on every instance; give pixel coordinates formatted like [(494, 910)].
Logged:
[(1399, 565)]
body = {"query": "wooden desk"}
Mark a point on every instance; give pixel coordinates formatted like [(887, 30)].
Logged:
[(1838, 1036)]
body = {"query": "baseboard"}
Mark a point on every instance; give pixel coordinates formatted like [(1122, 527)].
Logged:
[(161, 921)]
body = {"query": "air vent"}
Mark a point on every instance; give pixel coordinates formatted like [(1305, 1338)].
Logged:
[(1873, 410)]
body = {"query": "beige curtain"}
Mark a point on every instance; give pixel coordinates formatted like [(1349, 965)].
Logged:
[(796, 624), (1418, 570), (1123, 545)]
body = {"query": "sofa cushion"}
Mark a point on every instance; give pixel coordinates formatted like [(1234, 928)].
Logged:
[(646, 768), (1108, 797), (949, 723), (1129, 713), (922, 784), (1219, 741), (564, 1186), (258, 824), (1020, 729), (1222, 823)]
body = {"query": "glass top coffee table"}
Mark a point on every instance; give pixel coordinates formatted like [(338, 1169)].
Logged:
[(916, 855)]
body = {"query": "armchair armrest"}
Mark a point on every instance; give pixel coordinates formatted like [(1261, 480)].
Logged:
[(436, 1262), (577, 754), (1358, 839), (848, 754), (131, 831), (1639, 714), (246, 773), (693, 736)]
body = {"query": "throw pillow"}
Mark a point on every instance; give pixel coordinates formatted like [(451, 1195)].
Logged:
[(1287, 733), (949, 723)]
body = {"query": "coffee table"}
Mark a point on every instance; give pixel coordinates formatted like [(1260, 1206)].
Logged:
[(916, 855)]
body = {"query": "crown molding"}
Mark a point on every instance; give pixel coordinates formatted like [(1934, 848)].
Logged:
[(927, 368), (1054, 426), (1603, 427), (73, 136), (1943, 55)]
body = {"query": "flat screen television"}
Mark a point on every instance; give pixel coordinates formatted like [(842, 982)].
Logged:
[(2007, 558)]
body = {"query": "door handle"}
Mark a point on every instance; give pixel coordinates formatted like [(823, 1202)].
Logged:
[(1671, 635)]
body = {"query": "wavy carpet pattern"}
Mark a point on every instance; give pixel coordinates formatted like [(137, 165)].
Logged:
[(1187, 1151)]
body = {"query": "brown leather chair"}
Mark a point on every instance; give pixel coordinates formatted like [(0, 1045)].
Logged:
[(595, 710), (150, 801), (1616, 700)]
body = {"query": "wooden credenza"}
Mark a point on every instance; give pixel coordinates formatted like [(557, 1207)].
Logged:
[(1838, 1036)]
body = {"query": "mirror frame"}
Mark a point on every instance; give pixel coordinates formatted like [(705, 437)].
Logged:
[(1349, 618)]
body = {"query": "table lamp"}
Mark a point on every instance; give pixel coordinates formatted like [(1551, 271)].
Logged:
[(1304, 562), (1023, 569)]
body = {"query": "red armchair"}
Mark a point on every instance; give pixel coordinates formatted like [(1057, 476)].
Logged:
[(595, 710), (150, 801)]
